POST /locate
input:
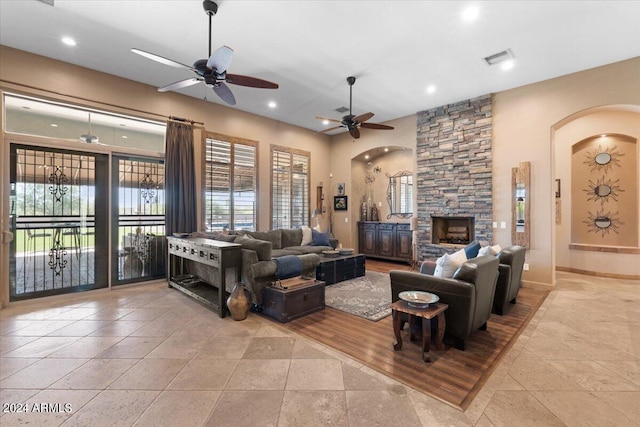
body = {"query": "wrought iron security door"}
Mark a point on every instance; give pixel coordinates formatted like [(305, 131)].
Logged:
[(138, 207), (57, 218)]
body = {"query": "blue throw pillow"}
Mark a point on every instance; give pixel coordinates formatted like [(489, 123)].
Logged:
[(472, 249), (319, 239)]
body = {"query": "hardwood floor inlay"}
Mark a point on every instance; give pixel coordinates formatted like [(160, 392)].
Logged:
[(453, 376)]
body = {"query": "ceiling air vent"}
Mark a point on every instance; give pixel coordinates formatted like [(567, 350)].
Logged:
[(342, 109), (49, 2), (496, 58)]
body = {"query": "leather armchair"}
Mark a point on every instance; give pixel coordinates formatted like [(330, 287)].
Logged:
[(509, 277), (469, 294)]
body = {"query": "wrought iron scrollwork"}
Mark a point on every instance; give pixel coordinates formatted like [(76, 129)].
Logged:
[(58, 179), (57, 255), (148, 188)]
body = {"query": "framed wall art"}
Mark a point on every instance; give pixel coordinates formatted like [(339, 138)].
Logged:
[(340, 203)]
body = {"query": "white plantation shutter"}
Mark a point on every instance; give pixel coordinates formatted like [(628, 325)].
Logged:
[(230, 183), (289, 188)]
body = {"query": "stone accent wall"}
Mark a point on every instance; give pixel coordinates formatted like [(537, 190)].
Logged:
[(454, 169)]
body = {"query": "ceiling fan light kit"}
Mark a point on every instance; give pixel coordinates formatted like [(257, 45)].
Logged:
[(89, 138), (354, 123), (211, 71)]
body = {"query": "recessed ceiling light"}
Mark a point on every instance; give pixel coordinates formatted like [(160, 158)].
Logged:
[(272, 104), (431, 89), (386, 149), (68, 41), (604, 135), (124, 137), (325, 122), (53, 125), (507, 65), (366, 157), (470, 13)]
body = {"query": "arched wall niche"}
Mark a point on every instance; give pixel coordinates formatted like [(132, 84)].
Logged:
[(584, 241), (370, 177)]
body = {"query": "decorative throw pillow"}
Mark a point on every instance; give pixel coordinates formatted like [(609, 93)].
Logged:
[(489, 250), (319, 239), (447, 264), (307, 236), (225, 237), (472, 249), (291, 237)]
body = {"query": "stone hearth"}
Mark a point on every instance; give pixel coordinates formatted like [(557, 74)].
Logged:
[(454, 170)]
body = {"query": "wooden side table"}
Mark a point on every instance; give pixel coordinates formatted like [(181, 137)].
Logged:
[(434, 311)]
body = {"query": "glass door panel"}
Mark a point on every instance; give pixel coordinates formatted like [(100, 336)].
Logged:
[(138, 210), (55, 215)]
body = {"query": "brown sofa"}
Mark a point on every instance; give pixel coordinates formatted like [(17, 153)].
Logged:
[(469, 294)]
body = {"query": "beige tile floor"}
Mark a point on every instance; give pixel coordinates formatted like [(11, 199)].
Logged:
[(150, 356)]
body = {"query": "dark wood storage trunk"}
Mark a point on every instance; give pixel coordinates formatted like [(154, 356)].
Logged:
[(285, 305), (340, 269)]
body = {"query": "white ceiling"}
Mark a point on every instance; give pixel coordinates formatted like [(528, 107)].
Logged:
[(395, 48)]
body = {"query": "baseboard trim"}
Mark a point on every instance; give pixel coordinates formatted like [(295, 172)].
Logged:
[(537, 285), (599, 274)]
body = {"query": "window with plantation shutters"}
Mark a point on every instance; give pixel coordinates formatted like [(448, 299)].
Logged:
[(289, 188), (230, 183)]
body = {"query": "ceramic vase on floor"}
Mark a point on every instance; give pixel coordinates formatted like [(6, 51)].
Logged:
[(239, 302)]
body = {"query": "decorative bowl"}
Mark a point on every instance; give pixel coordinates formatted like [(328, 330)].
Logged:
[(181, 234), (418, 299), (346, 251), (331, 254)]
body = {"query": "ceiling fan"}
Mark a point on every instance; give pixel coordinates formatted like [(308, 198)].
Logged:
[(351, 122), (211, 71)]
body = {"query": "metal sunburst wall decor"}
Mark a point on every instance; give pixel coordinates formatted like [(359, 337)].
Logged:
[(602, 160), (603, 190), (601, 222)]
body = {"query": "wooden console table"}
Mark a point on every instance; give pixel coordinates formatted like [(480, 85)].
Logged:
[(216, 255), (386, 240)]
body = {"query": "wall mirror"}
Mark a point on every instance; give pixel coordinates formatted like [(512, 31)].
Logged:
[(521, 204), (400, 194)]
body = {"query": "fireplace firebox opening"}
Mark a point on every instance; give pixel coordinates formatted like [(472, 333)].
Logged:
[(452, 230)]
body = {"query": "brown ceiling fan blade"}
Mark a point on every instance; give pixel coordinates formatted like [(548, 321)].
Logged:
[(329, 120), (223, 91), (237, 79), (376, 126), (330, 129), (354, 132), (180, 84), (362, 117), (161, 59)]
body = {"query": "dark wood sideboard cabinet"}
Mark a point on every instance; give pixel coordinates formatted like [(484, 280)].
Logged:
[(387, 240)]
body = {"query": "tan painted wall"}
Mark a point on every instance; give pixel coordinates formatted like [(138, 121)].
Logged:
[(621, 206), (524, 119), (344, 148), (623, 120), (21, 72), (112, 93)]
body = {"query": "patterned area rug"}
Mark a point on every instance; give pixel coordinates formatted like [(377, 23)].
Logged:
[(368, 296)]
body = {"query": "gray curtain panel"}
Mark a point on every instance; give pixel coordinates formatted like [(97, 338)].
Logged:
[(180, 209)]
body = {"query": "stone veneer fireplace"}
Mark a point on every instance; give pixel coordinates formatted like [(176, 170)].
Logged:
[(452, 230), (454, 172)]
